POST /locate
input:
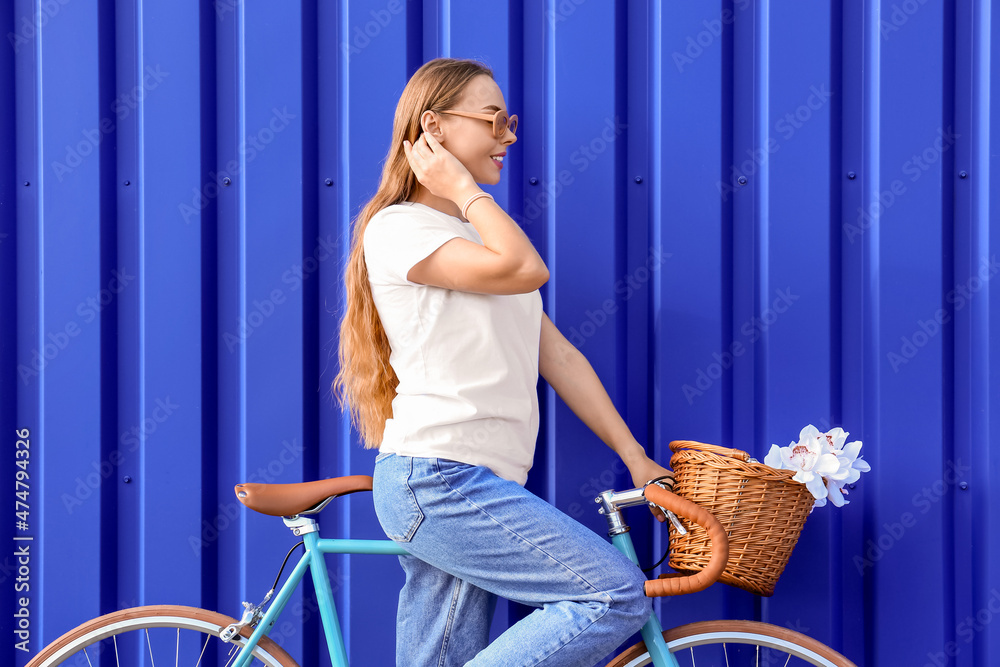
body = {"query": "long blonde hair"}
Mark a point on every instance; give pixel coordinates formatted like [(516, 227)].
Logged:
[(366, 382)]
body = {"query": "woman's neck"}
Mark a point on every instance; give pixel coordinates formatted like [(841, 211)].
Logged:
[(424, 196)]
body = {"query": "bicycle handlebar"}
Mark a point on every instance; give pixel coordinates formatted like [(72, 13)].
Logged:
[(680, 584)]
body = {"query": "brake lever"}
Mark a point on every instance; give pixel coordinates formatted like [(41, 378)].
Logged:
[(681, 530)]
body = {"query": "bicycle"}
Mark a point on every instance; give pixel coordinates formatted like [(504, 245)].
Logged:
[(188, 632)]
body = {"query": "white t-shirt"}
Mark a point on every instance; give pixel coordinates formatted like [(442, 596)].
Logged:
[(467, 363)]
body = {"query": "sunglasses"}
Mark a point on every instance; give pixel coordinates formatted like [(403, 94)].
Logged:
[(501, 122)]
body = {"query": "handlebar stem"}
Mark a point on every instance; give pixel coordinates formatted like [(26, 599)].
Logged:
[(612, 502)]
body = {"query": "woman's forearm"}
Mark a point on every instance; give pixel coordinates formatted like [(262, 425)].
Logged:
[(503, 236), (572, 377)]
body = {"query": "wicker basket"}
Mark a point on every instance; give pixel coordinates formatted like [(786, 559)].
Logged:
[(761, 508)]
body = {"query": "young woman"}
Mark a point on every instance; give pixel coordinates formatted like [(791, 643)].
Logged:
[(441, 346)]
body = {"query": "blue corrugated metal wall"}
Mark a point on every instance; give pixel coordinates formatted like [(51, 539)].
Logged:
[(757, 215)]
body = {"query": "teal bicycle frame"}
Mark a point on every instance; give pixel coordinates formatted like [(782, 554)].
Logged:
[(312, 559), (316, 547)]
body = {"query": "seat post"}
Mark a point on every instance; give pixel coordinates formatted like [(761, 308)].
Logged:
[(300, 525)]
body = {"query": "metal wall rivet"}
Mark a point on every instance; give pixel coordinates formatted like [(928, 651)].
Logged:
[(964, 486), (638, 179), (851, 175), (226, 181), (329, 182), (27, 183), (127, 479), (963, 174), (128, 182), (533, 180), (742, 180)]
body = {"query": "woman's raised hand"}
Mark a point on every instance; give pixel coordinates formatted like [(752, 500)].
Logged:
[(438, 170)]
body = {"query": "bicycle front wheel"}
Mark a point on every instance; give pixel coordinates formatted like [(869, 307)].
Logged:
[(156, 635), (737, 643)]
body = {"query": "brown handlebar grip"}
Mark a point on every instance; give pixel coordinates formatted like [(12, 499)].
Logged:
[(680, 585)]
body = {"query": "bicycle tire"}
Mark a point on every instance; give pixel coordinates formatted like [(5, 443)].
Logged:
[(771, 638), (84, 643)]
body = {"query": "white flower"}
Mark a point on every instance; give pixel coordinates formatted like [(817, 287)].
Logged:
[(836, 438), (850, 466), (807, 458), (773, 458), (836, 495), (821, 461)]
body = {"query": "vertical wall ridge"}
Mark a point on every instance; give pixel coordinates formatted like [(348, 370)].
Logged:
[(728, 320), (231, 457), (129, 361), (857, 226), (869, 322), (762, 215), (749, 122), (962, 583), (140, 259), (109, 317), (655, 12), (838, 179), (240, 223), (622, 190), (209, 334), (986, 524), (955, 531), (547, 171)]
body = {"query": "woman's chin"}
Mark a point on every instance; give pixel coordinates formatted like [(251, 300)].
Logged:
[(489, 179)]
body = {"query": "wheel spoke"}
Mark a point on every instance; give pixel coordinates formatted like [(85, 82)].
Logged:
[(177, 649), (233, 652), (118, 660), (150, 645), (203, 647)]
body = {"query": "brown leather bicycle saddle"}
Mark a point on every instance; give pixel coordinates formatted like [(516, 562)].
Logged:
[(291, 499)]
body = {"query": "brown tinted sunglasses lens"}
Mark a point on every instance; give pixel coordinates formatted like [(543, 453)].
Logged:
[(501, 123)]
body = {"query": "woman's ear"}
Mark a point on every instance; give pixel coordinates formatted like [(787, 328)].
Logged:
[(431, 122)]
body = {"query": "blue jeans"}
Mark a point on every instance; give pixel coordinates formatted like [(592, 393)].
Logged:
[(473, 536)]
